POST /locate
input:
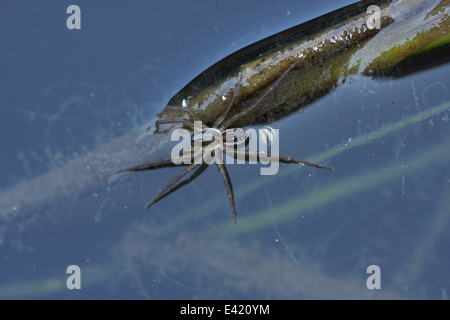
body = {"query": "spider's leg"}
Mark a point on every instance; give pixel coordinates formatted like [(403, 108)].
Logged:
[(222, 117), (235, 117), (157, 164), (281, 158), (229, 187), (186, 122), (287, 159), (181, 109), (197, 173), (177, 178)]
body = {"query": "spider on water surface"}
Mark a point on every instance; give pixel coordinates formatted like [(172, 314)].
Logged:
[(231, 137)]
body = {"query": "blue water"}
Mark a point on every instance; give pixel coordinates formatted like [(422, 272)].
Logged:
[(65, 93)]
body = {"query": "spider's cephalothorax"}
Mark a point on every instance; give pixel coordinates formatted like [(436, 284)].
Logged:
[(231, 139)]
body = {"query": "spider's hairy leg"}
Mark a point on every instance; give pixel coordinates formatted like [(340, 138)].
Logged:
[(221, 118), (166, 189), (185, 122), (281, 158), (197, 173), (229, 187), (159, 163), (193, 114), (236, 116), (287, 159)]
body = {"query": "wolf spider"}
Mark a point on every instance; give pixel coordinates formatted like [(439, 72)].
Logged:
[(221, 124)]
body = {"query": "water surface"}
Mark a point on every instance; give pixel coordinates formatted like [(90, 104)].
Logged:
[(303, 233)]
